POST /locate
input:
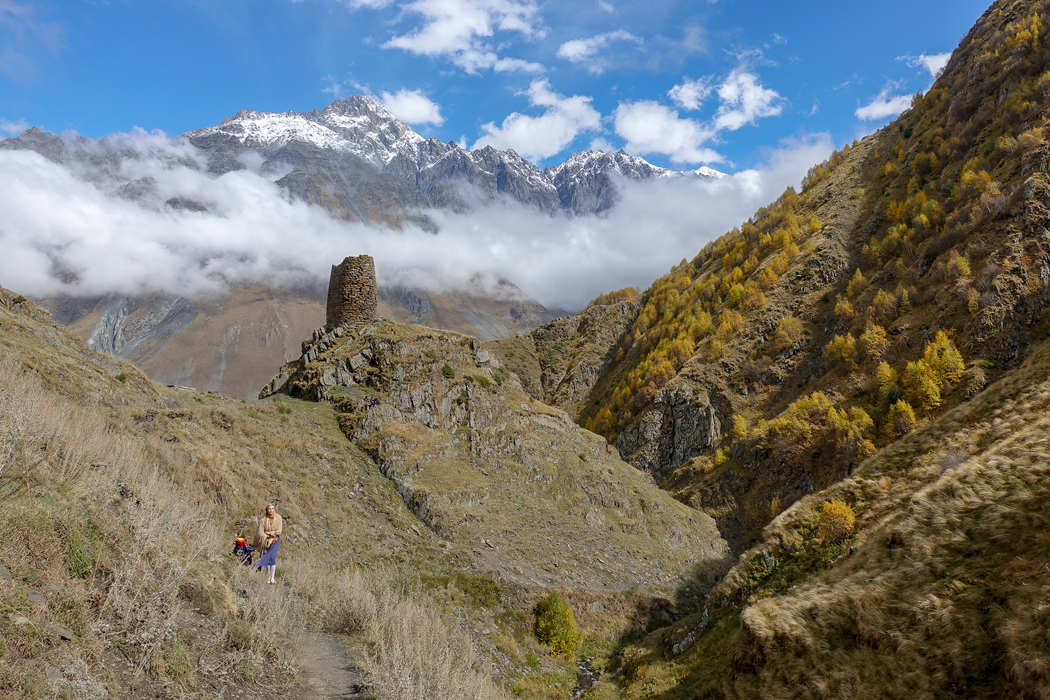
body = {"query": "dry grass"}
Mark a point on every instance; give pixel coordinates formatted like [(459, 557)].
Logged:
[(413, 653), (121, 501), (97, 529)]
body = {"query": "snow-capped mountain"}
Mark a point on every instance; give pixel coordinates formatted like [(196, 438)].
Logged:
[(359, 161), (586, 180), (357, 158)]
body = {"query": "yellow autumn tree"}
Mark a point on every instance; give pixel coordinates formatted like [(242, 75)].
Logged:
[(789, 332), (836, 521)]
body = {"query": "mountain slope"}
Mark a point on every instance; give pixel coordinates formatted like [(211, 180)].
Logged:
[(871, 347), (753, 373)]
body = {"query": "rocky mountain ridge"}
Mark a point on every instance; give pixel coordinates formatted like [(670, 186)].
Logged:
[(360, 141)]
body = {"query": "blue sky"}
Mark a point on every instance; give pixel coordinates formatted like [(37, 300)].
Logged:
[(682, 84)]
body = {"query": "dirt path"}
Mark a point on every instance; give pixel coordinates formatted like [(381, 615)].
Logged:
[(327, 671)]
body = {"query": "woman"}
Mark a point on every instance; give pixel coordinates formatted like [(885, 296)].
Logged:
[(268, 540)]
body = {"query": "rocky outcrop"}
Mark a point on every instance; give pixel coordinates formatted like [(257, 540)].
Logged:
[(568, 355), (478, 460), (682, 423)]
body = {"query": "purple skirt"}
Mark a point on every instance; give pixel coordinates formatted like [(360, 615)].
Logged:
[(269, 558)]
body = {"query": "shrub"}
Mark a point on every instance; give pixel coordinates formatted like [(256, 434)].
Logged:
[(556, 626), (448, 372), (857, 284), (431, 355), (943, 359), (905, 304), (18, 299), (122, 378), (789, 332), (836, 521), (843, 348), (922, 386), (873, 343), (901, 417), (843, 309)]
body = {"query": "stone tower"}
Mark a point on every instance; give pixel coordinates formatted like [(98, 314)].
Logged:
[(352, 293)]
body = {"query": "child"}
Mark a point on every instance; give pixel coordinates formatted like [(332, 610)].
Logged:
[(243, 550)]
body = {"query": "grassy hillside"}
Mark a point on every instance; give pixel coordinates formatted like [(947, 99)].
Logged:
[(121, 500)]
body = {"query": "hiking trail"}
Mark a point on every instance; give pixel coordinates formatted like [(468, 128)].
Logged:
[(327, 669)]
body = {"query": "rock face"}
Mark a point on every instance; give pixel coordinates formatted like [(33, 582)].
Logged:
[(542, 501), (561, 361), (352, 293), (681, 424)]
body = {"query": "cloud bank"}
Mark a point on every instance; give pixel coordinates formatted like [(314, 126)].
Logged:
[(78, 233)]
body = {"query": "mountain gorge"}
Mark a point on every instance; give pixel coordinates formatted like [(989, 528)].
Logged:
[(808, 462)]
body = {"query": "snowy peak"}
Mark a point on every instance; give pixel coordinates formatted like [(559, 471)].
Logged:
[(592, 162), (268, 131), (426, 173), (709, 173), (358, 125)]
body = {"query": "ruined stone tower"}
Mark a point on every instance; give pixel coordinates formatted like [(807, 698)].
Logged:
[(352, 293)]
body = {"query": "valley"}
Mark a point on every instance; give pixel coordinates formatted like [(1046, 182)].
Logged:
[(810, 461)]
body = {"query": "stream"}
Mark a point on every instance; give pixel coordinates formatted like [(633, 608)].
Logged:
[(587, 677)]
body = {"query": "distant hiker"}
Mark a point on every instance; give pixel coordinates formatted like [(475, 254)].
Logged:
[(243, 551), (268, 540)]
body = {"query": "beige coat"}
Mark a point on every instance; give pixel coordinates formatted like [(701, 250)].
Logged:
[(269, 530)]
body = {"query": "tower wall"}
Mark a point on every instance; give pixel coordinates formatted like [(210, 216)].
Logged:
[(352, 292)]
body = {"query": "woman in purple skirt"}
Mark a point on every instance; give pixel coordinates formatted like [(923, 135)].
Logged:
[(268, 540)]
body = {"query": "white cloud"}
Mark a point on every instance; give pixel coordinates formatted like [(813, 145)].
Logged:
[(933, 63), (586, 50), (507, 65), (650, 127), (690, 94), (13, 128), (56, 222), (540, 137), (884, 105), (600, 144), (456, 28), (605, 6), (743, 100), (413, 106)]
